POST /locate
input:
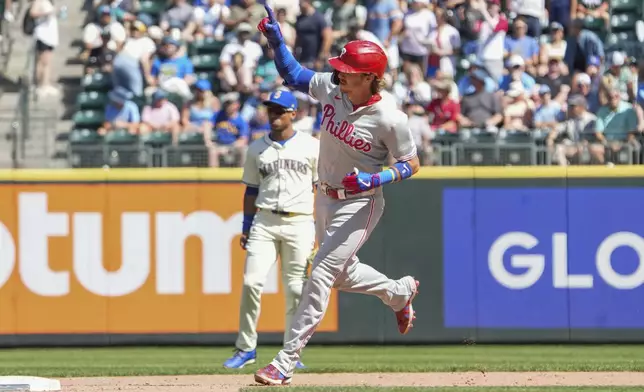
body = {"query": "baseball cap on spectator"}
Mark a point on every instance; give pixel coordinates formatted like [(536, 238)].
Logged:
[(139, 26), (516, 61), (516, 89), (583, 79), (229, 98), (146, 19), (479, 74), (104, 10), (159, 95), (577, 100), (617, 59), (443, 84), (155, 32), (119, 95), (203, 85), (283, 98), (169, 40), (244, 28), (631, 60), (421, 1), (544, 89), (555, 26)]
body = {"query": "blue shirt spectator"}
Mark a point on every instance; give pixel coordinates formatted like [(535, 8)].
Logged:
[(581, 45), (259, 129), (526, 47), (465, 86), (228, 128), (549, 112), (121, 108), (171, 65), (381, 14), (527, 81)]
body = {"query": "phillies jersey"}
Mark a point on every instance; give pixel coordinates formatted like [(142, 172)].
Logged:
[(360, 138), (284, 173)]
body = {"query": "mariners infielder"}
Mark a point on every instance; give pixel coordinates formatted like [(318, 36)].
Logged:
[(279, 174), (360, 126)]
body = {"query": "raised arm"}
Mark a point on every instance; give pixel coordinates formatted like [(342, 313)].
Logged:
[(293, 73)]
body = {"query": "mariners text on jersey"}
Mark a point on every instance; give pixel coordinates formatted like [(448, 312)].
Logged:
[(284, 173)]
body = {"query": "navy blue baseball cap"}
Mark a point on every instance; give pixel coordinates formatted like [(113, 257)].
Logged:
[(283, 98)]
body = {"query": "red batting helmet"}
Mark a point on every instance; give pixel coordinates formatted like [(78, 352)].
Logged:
[(361, 57)]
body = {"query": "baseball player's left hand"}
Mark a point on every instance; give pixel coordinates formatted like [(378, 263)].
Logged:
[(243, 241), (357, 181)]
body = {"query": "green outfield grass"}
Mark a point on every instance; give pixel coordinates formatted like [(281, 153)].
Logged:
[(455, 389), (191, 360)]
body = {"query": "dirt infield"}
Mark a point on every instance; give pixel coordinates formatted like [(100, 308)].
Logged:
[(230, 383)]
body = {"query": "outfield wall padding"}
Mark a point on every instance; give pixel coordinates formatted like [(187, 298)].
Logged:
[(131, 257)]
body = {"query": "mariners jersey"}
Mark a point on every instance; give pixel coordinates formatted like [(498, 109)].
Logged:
[(284, 174), (359, 138)]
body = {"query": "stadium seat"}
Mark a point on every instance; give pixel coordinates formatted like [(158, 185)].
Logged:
[(205, 62), (85, 148), (620, 40), (157, 139), (190, 139), (207, 46), (88, 119), (478, 148), (97, 82), (123, 149), (190, 151), (517, 148), (90, 100), (177, 100), (594, 24), (618, 6), (623, 22)]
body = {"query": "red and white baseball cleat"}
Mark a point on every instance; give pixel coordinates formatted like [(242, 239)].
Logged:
[(270, 375), (406, 315)]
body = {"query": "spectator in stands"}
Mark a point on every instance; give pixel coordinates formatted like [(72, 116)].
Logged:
[(385, 21), (491, 40), (560, 11), (585, 88), (617, 77), (288, 31), (481, 109), (340, 16), (197, 114), (596, 9), (230, 133), (239, 76), (102, 59), (255, 101), (134, 63), (468, 20), (46, 35), (465, 85), (266, 72), (121, 10), (443, 112), (178, 15), (548, 113), (304, 121), (531, 12), (417, 25), (120, 112), (313, 37), (569, 139), (581, 45), (617, 122), (523, 45), (245, 11), (558, 83), (519, 112), (411, 86), (421, 131), (207, 21), (517, 72), (160, 115), (172, 71), (357, 32), (553, 48), (93, 32), (259, 124), (444, 43)]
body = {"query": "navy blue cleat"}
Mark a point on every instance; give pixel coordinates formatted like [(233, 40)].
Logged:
[(241, 359)]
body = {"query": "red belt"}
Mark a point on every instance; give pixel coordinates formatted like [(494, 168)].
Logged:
[(340, 193)]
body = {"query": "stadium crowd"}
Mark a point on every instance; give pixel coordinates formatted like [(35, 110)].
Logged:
[(568, 68)]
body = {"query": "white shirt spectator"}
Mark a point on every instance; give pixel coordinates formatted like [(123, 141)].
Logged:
[(46, 29), (211, 19), (532, 8), (417, 28), (92, 34), (139, 48), (292, 8), (448, 39), (492, 39), (251, 51)]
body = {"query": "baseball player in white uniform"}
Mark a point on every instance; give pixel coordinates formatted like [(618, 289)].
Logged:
[(360, 126), (279, 173)]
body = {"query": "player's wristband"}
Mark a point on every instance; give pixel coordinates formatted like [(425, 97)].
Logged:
[(397, 172), (247, 223)]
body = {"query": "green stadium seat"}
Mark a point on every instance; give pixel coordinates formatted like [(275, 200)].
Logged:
[(140, 101), (151, 7), (190, 139), (620, 39), (91, 100), (89, 119), (157, 139), (205, 62), (623, 22), (618, 6), (85, 149), (177, 100), (121, 137), (123, 149), (208, 46), (97, 82)]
